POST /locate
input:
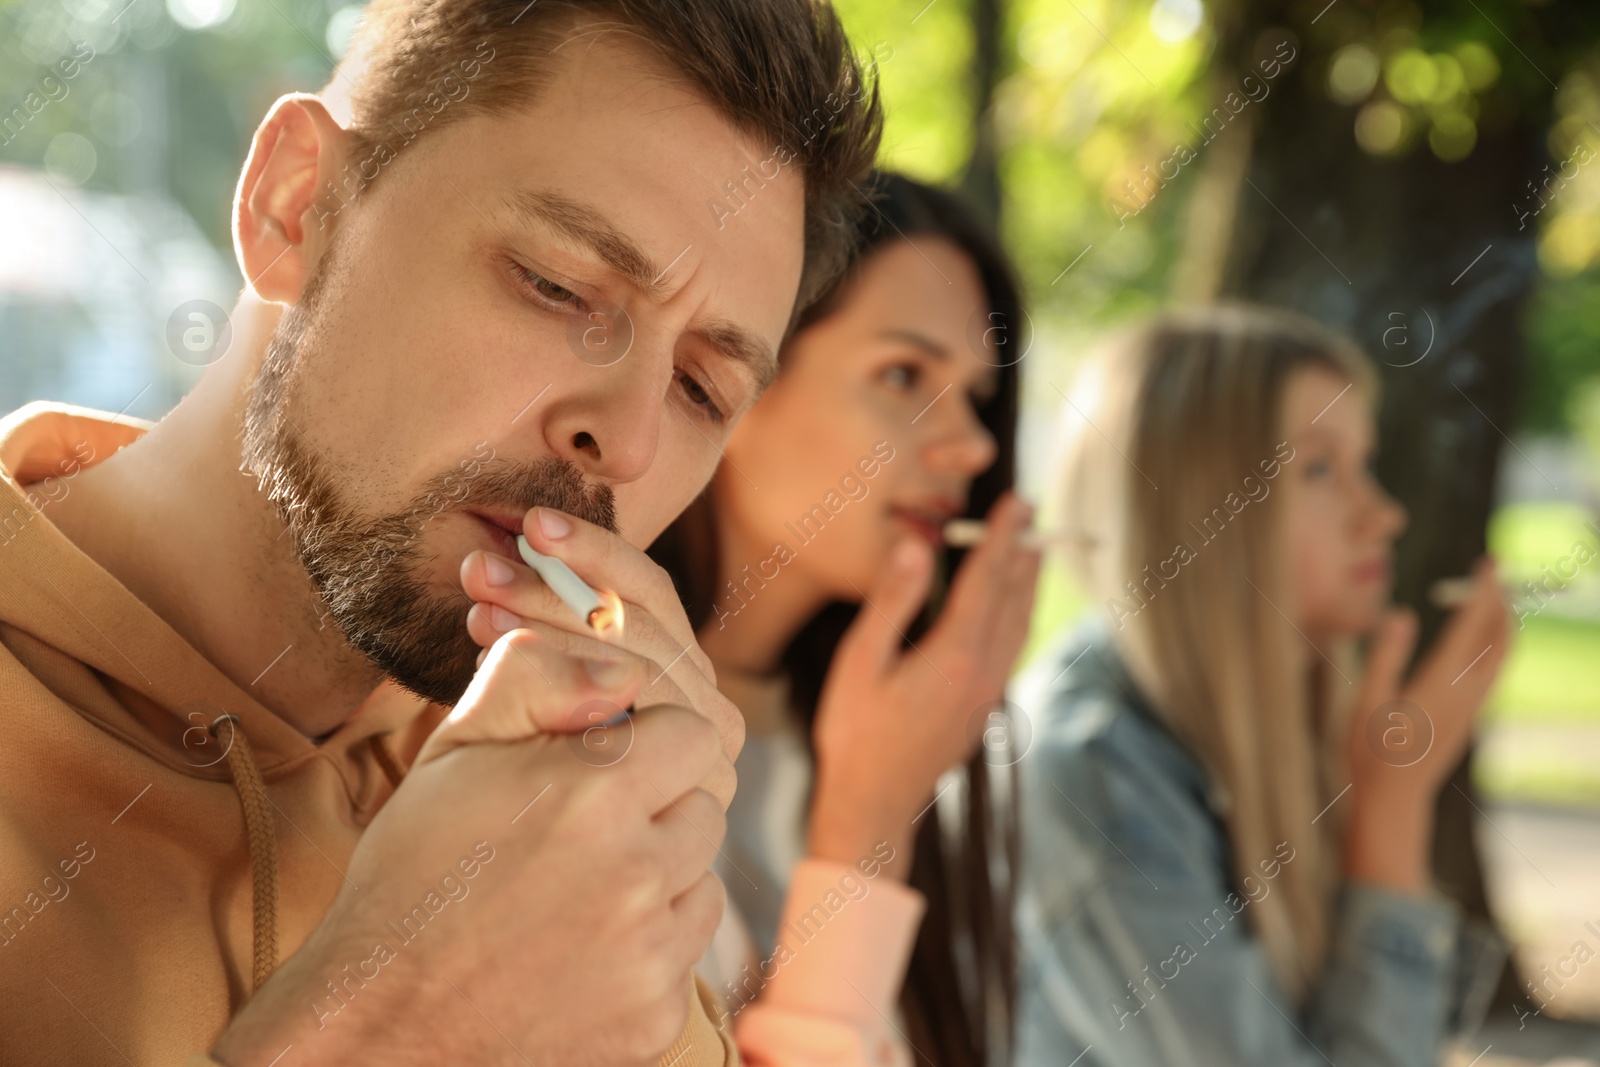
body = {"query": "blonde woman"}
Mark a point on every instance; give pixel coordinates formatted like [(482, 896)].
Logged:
[(1228, 812)]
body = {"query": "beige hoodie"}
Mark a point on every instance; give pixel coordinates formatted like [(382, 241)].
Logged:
[(139, 865)]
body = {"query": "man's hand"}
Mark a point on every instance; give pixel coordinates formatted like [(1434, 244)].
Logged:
[(570, 945), (593, 692), (509, 595)]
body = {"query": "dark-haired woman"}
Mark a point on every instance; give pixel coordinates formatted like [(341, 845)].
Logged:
[(869, 659)]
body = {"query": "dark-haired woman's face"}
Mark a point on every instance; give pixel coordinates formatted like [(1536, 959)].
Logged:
[(870, 432)]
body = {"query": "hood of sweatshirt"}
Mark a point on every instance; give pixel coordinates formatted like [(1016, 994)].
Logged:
[(165, 838), (57, 596)]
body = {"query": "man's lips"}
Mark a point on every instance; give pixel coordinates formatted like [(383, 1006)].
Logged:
[(502, 529)]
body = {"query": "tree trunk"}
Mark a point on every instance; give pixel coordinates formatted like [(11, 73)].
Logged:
[(980, 181)]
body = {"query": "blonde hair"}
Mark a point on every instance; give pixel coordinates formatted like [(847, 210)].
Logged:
[(1173, 439)]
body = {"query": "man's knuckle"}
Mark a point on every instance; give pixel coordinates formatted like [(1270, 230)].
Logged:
[(658, 584), (712, 821), (641, 890), (705, 744), (600, 805), (520, 643)]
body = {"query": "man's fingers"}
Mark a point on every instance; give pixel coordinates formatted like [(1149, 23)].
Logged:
[(524, 599), (672, 751), (874, 638), (659, 686), (528, 686), (490, 580), (698, 911), (673, 677), (691, 829), (606, 561)]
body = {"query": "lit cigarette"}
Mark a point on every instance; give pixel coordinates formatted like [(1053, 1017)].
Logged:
[(600, 608), (965, 533)]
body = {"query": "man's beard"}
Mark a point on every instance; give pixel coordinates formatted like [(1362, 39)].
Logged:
[(368, 569)]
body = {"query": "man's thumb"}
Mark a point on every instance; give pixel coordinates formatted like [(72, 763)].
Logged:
[(528, 687)]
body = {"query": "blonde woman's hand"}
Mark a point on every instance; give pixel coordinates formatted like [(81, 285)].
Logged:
[(891, 719), (1408, 734)]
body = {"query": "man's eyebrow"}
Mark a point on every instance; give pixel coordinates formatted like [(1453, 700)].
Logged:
[(588, 227), (743, 347)]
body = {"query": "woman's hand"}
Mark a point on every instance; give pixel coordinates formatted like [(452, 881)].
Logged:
[(891, 720), (1408, 735)]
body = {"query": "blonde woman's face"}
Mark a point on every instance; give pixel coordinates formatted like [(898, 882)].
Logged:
[(1341, 524)]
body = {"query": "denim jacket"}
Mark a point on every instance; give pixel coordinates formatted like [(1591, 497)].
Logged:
[(1137, 948)]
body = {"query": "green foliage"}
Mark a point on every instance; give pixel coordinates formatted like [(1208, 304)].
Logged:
[(1094, 96), (1552, 675), (923, 55), (1563, 325), (1077, 119)]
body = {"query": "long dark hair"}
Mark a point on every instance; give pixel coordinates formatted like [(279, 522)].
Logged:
[(960, 992)]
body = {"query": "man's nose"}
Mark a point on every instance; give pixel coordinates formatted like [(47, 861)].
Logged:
[(607, 421)]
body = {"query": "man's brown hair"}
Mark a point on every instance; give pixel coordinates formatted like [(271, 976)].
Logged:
[(779, 70)]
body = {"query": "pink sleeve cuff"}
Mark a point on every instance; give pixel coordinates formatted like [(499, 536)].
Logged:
[(842, 945)]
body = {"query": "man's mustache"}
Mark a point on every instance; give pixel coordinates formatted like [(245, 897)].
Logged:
[(507, 485)]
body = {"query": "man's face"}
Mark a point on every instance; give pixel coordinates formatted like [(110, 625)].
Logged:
[(532, 308)]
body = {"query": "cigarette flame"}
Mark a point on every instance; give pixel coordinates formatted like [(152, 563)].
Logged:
[(608, 616)]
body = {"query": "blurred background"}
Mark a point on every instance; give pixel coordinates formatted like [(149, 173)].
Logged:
[(1424, 175)]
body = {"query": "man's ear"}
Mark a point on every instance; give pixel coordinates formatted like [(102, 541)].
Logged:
[(284, 206)]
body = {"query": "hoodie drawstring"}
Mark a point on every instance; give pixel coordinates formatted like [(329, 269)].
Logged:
[(260, 834)]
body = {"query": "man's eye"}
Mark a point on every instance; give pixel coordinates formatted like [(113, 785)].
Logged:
[(699, 397), (546, 291)]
